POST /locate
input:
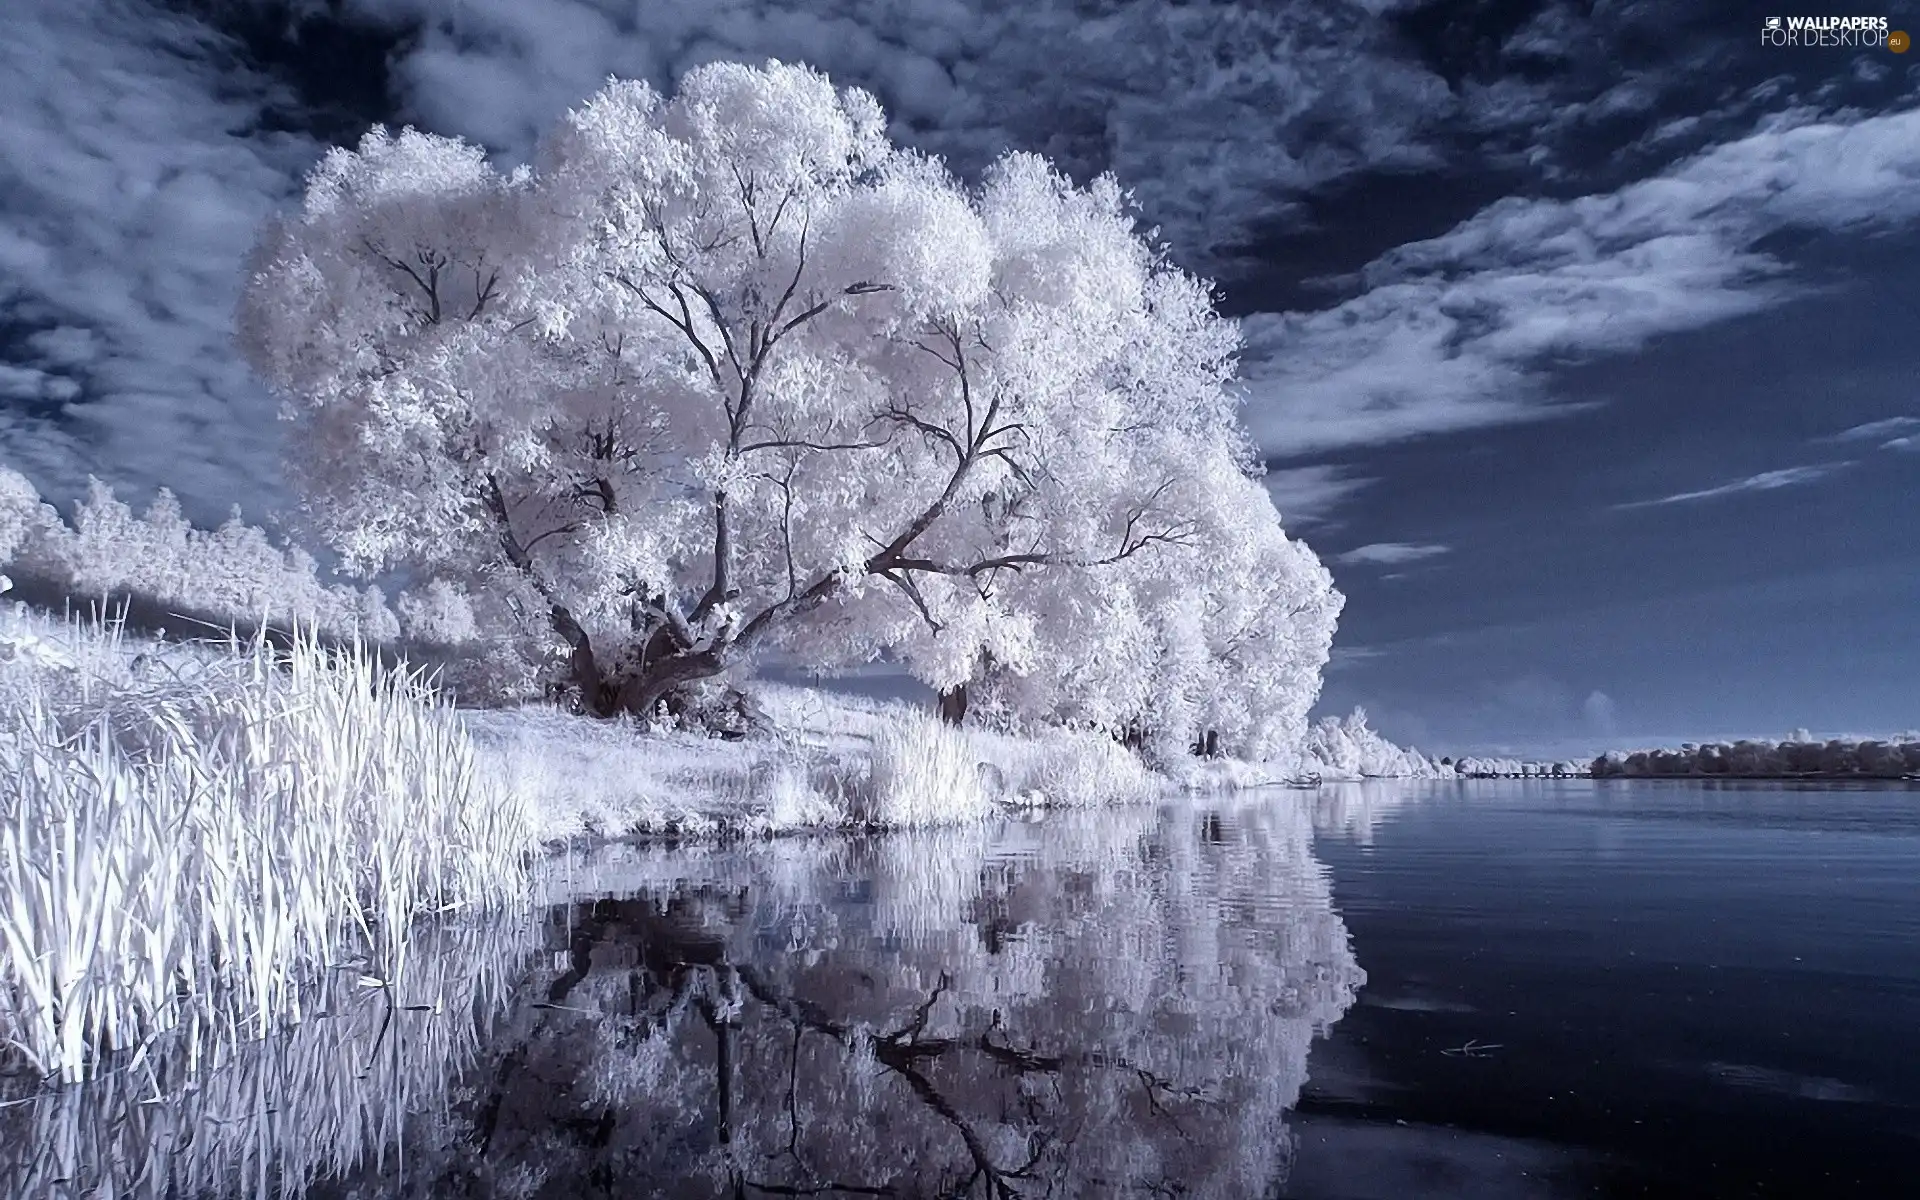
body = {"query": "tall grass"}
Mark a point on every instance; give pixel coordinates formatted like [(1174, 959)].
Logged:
[(194, 840), (1066, 768), (923, 773)]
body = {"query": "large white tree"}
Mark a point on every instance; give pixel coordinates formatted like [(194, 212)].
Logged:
[(729, 371)]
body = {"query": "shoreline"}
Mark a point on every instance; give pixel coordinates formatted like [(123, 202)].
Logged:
[(1743, 777)]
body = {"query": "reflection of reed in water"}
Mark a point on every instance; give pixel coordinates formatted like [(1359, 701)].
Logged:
[(267, 1118)]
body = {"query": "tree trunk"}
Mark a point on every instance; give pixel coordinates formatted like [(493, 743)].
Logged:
[(641, 694), (953, 704), (604, 695), (595, 699)]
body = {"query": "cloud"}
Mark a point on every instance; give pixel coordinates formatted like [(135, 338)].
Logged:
[(1218, 116), (1344, 657), (1458, 331), (1305, 495), (1877, 429), (1532, 696), (1390, 553), (1901, 443), (140, 153), (1601, 713), (1765, 481), (33, 384), (134, 172)]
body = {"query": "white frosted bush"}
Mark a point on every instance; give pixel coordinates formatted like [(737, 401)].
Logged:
[(1349, 748), (236, 572), (22, 515), (440, 613)]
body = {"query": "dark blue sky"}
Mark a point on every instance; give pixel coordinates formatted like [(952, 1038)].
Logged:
[(1749, 612), (1558, 314)]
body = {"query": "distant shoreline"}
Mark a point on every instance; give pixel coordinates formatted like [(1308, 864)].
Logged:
[(1802, 757), (1756, 777)]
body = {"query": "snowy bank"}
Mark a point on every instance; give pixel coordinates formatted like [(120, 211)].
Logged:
[(832, 761), (838, 761)]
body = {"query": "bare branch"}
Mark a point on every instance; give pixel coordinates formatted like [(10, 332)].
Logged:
[(911, 590), (482, 292), (557, 531), (902, 416), (803, 444), (685, 326), (793, 284), (429, 286), (862, 288)]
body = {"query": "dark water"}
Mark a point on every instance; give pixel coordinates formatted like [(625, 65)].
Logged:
[(1476, 990), (1695, 990)]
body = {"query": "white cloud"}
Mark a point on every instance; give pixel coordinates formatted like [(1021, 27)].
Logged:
[(130, 200), (1390, 553), (1901, 443), (1601, 713), (1877, 429), (1305, 495), (1455, 332), (1217, 115), (32, 384), (1344, 657), (1765, 481)]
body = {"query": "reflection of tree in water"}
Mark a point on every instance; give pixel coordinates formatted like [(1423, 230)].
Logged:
[(1358, 810), (1099, 1005)]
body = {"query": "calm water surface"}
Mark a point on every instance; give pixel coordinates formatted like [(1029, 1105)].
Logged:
[(1695, 989), (1475, 990)]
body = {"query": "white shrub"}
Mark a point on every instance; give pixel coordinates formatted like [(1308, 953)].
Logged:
[(23, 517), (1349, 748), (236, 572), (440, 613)]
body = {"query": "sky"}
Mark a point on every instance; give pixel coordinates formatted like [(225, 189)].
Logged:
[(1580, 337)]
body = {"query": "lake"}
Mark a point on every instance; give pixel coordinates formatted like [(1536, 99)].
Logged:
[(1475, 989), (1696, 989)]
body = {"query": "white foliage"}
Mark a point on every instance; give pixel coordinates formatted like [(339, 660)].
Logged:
[(440, 613), (1348, 748), (236, 572), (23, 517), (727, 371)]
